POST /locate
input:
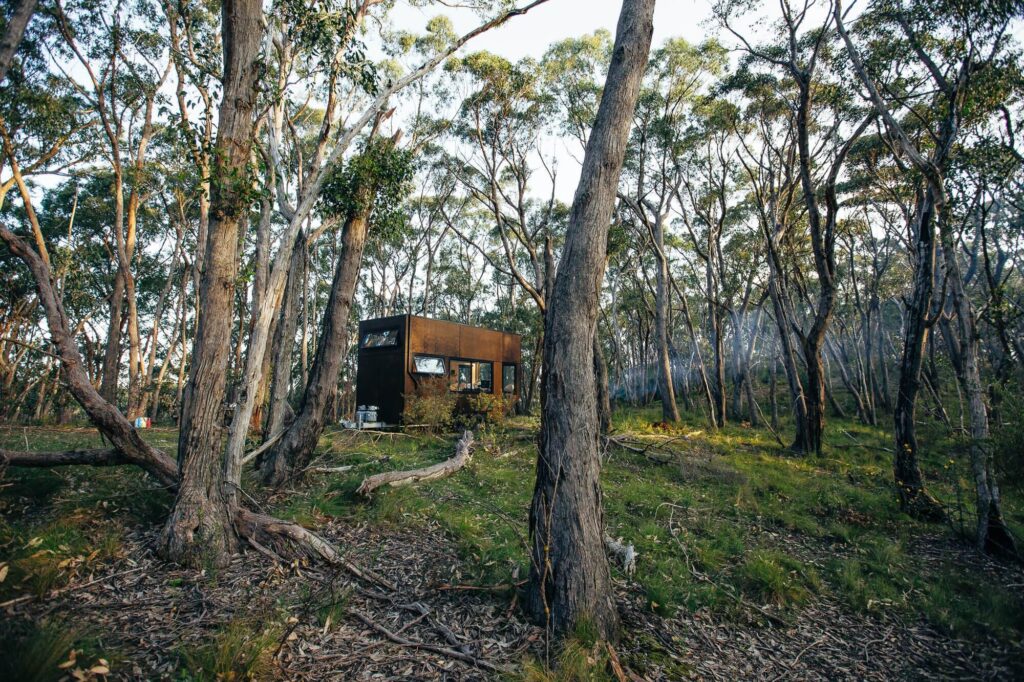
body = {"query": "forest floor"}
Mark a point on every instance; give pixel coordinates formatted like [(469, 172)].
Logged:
[(752, 564)]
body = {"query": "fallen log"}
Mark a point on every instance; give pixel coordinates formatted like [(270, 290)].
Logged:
[(91, 457), (430, 473)]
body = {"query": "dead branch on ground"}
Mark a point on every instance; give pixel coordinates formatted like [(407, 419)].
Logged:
[(434, 471)]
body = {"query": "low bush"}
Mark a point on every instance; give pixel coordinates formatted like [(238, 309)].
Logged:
[(488, 408), (431, 405)]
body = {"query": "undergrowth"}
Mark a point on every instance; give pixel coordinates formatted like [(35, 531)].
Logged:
[(729, 521)]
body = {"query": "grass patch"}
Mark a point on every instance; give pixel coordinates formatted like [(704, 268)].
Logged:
[(239, 650), (770, 576), (730, 513)]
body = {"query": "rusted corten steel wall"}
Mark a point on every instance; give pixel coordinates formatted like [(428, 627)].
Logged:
[(387, 374)]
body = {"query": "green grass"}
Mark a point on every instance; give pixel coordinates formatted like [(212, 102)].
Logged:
[(51, 650), (732, 521), (736, 518), (239, 650), (59, 523)]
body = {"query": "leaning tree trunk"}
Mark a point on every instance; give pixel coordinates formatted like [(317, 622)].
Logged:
[(295, 449), (570, 582), (128, 445), (199, 529)]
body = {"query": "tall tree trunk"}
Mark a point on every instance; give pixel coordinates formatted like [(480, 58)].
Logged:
[(736, 407), (717, 341), (199, 528), (992, 535), (798, 403), (112, 354), (279, 412), (295, 449), (913, 497), (666, 387), (884, 393), (570, 581), (816, 398), (260, 280), (773, 394), (604, 404)]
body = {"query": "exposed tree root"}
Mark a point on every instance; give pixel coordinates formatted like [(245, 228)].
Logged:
[(434, 471), (924, 507), (272, 537), (277, 539)]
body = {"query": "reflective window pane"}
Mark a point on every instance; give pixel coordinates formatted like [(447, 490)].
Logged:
[(385, 338), (425, 364), (508, 378)]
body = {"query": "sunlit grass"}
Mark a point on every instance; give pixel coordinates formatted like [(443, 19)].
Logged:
[(731, 519)]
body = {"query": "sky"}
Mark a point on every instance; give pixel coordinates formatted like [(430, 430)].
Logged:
[(531, 34)]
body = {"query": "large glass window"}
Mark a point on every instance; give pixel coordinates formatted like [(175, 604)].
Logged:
[(508, 378), (382, 338), (469, 375), (427, 364)]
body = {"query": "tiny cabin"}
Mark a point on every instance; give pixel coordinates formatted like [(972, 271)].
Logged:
[(396, 354)]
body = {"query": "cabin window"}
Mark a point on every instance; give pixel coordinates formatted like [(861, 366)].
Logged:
[(508, 378), (381, 338), (472, 376), (428, 364)]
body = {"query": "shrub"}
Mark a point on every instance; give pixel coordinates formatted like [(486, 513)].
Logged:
[(431, 405), (488, 408)]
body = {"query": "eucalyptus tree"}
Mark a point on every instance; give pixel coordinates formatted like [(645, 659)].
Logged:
[(44, 129), (958, 51), (825, 124), (368, 192), (709, 193), (299, 179), (499, 129), (678, 72), (767, 153), (125, 65), (571, 70), (569, 577), (200, 527)]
